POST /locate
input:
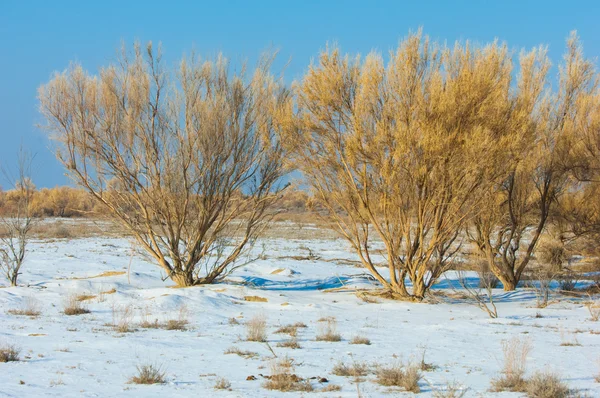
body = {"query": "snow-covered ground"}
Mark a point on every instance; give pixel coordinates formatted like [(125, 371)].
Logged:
[(84, 356)]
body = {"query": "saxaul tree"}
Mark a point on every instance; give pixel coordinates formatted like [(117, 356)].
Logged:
[(17, 220), (520, 204), (404, 150), (187, 160)]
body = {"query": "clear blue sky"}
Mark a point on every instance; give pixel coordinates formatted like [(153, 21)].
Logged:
[(39, 37)]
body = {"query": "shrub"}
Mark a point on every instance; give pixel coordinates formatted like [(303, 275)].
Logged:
[(282, 378), (73, 306), (515, 353), (360, 340), (407, 377), (122, 316), (9, 353), (451, 390), (148, 374), (256, 329), (328, 332), (222, 384), (546, 385), (30, 307), (355, 370)]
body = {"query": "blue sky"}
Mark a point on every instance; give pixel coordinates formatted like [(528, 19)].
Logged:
[(39, 37)]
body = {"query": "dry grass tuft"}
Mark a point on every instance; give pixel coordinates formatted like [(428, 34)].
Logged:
[(515, 354), (328, 332), (85, 297), (546, 385), (256, 299), (256, 328), (148, 374), (355, 370), (181, 322), (232, 321), (122, 316), (30, 307), (9, 353), (594, 309), (73, 306), (241, 353), (330, 388), (222, 384), (451, 390), (407, 377), (283, 379), (360, 340)]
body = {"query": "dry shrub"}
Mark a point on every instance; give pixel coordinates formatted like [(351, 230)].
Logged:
[(291, 343), (148, 374), (515, 353), (181, 322), (360, 340), (222, 384), (328, 331), (356, 369), (546, 385), (399, 375), (73, 306), (9, 353), (282, 377), (291, 329), (451, 390), (330, 388), (241, 353), (30, 307), (594, 310), (256, 328), (122, 316)]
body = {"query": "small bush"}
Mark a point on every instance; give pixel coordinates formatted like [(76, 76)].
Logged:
[(122, 316), (256, 329), (513, 371), (328, 332), (451, 390), (9, 353), (330, 388), (241, 353), (360, 340), (282, 378), (407, 377), (75, 307), (546, 385), (291, 343), (181, 322), (357, 369), (30, 307), (148, 374), (222, 384)]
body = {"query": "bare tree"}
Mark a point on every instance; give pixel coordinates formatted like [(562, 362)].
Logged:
[(404, 151), (17, 219), (188, 160), (518, 208)]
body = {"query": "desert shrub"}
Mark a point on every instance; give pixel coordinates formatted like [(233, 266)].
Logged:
[(451, 390), (181, 322), (241, 353), (256, 328), (399, 375), (73, 306), (30, 307), (282, 378), (122, 316), (515, 352), (222, 384), (355, 369), (328, 331), (546, 385), (360, 340), (9, 353), (148, 374)]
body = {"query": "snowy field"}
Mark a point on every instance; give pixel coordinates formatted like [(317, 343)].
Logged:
[(297, 281)]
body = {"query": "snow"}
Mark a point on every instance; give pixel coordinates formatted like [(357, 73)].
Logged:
[(84, 356)]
